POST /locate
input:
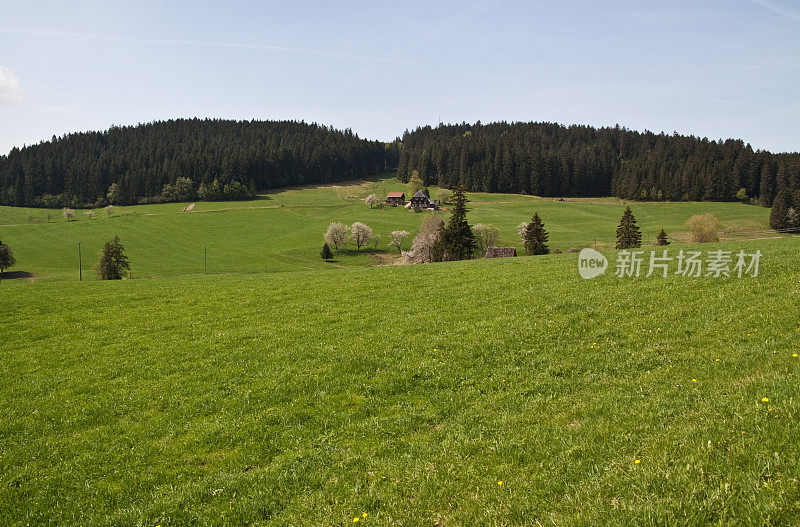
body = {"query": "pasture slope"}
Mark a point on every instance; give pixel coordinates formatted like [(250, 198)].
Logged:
[(282, 230), (487, 392)]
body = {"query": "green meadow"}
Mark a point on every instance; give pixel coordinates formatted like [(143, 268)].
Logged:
[(282, 230), (485, 392)]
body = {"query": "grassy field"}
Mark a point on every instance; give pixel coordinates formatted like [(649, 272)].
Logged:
[(282, 231), (488, 392)]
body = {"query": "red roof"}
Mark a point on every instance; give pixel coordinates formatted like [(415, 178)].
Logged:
[(395, 194)]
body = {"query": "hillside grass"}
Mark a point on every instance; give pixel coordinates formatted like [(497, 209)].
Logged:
[(282, 230), (406, 393)]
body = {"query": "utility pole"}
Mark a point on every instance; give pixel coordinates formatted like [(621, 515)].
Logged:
[(80, 267)]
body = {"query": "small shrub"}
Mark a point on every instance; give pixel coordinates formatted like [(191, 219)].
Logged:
[(742, 195), (704, 228), (326, 252)]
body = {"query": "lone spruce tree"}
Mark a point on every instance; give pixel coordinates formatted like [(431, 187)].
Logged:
[(535, 237), (458, 238), (112, 261), (326, 252), (6, 258), (628, 234), (661, 238)]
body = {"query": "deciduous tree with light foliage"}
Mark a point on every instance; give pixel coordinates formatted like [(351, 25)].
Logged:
[(337, 235), (360, 234), (486, 236), (428, 245), (398, 237), (67, 213), (372, 200), (521, 228), (444, 195), (415, 184)]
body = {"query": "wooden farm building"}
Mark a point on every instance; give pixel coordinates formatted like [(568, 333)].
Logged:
[(420, 200), (396, 198), (501, 252)]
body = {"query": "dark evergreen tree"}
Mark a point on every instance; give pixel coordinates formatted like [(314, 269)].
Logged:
[(781, 207), (458, 239), (628, 234), (6, 258), (661, 238), (326, 252), (535, 237), (113, 261)]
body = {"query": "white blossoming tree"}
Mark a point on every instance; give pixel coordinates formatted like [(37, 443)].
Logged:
[(486, 236), (360, 233), (337, 235), (372, 200), (398, 237), (521, 229)]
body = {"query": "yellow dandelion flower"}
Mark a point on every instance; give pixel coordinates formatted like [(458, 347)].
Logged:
[(363, 514), (355, 520), (694, 380), (717, 360), (637, 461), (765, 399), (794, 355), (500, 483)]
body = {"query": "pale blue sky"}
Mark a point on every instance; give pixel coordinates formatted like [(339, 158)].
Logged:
[(715, 69)]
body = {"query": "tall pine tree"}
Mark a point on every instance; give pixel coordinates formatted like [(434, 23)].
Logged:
[(628, 234), (458, 238), (535, 237)]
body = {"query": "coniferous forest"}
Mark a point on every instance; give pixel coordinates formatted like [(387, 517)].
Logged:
[(186, 158), (553, 160)]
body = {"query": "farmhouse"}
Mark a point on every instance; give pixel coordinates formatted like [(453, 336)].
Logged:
[(422, 201), (396, 198), (501, 252)]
